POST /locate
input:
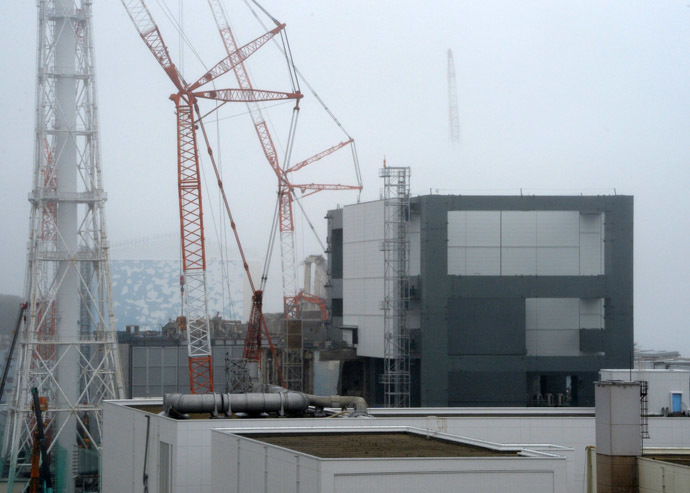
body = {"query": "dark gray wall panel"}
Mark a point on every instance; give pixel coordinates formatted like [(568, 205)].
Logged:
[(591, 340), (486, 326), (497, 388)]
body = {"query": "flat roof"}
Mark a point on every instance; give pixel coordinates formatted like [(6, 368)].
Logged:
[(679, 459), (155, 406), (368, 445)]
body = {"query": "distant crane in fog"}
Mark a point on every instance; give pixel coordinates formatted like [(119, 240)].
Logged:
[(453, 120)]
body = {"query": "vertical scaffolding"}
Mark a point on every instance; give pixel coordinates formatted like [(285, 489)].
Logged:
[(396, 376), (68, 341)]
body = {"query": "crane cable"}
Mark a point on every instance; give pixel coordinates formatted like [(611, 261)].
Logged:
[(284, 185), (355, 157), (271, 242), (297, 71), (295, 86), (225, 200), (180, 32)]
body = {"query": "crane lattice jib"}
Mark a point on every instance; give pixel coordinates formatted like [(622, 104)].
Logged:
[(236, 57), (246, 95), (319, 156)]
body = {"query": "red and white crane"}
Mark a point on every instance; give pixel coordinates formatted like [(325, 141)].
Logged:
[(189, 186), (189, 183)]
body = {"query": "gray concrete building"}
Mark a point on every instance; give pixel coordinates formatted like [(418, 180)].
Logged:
[(514, 300)]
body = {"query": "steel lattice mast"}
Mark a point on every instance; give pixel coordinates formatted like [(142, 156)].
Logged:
[(396, 252), (68, 341)]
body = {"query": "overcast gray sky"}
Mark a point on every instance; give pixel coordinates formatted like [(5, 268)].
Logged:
[(576, 96)]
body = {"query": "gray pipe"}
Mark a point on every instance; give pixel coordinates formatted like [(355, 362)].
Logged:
[(276, 400), (341, 401), (251, 403)]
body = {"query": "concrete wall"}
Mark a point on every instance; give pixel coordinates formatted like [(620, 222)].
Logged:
[(363, 275), (245, 465), (618, 418), (124, 446)]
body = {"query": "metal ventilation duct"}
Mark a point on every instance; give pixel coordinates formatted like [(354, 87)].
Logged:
[(277, 400)]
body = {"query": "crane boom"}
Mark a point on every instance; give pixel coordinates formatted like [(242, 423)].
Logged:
[(246, 95), (148, 30), (40, 474), (8, 361), (319, 156), (193, 249), (236, 57)]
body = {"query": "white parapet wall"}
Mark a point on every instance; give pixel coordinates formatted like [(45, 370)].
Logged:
[(658, 476)]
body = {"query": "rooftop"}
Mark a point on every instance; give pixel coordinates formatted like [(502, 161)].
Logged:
[(336, 445)]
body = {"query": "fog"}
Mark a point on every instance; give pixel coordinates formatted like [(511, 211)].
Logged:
[(564, 97)]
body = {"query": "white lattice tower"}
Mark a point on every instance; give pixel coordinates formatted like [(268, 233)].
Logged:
[(68, 346), (396, 376)]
